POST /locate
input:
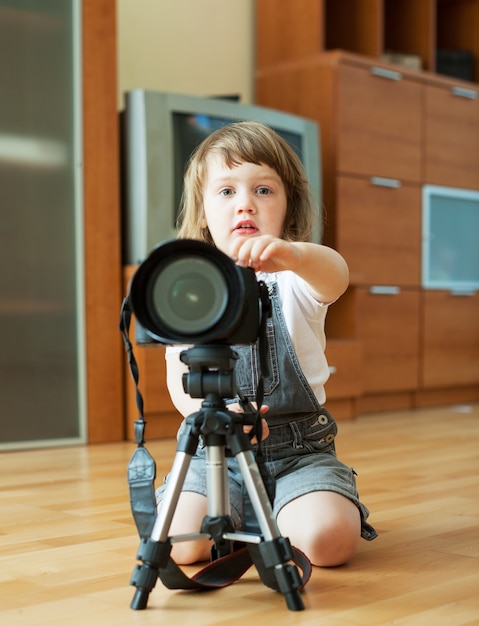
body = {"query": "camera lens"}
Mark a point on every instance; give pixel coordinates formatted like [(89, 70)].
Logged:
[(189, 295), (189, 292)]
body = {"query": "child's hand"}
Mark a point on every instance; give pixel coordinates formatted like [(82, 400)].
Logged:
[(247, 428), (266, 254), (265, 429)]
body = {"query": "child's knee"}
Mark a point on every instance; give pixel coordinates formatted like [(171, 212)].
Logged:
[(190, 552), (324, 525), (331, 547)]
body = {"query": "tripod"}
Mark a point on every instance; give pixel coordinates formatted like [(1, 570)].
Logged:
[(211, 376)]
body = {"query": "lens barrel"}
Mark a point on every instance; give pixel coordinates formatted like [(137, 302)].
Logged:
[(189, 292)]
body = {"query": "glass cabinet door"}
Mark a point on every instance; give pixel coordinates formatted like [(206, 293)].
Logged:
[(450, 257), (41, 244)]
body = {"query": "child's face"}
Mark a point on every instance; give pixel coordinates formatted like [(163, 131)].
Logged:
[(247, 200)]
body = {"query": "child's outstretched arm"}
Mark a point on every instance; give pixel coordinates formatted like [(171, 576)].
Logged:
[(324, 269)]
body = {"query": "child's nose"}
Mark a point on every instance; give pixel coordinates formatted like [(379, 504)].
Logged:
[(246, 203)]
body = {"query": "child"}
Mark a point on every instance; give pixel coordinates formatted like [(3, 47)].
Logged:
[(247, 194)]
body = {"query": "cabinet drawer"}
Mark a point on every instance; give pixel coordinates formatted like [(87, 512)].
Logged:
[(379, 123), (450, 344), (452, 136), (378, 230), (344, 359), (388, 327)]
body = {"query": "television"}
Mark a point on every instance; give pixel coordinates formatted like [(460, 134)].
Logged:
[(158, 133), (450, 238)]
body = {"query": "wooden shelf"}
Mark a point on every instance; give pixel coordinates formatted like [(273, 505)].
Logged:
[(354, 25), (296, 30)]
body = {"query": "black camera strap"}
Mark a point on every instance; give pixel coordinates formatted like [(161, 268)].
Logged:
[(228, 569), (142, 467)]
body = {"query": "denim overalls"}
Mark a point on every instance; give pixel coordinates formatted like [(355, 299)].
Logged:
[(299, 450), (290, 399)]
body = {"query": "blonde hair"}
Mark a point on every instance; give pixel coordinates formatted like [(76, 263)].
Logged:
[(247, 142)]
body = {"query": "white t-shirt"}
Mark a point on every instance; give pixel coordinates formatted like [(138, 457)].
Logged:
[(304, 317)]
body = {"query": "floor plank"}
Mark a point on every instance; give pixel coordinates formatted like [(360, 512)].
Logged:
[(68, 542)]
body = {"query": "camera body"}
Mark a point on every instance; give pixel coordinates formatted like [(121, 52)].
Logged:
[(189, 292)]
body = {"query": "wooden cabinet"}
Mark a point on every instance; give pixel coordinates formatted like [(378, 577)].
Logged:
[(292, 31), (345, 382), (388, 324), (385, 320), (369, 112), (344, 358), (385, 132), (371, 144), (450, 339), (378, 120), (451, 148), (378, 230)]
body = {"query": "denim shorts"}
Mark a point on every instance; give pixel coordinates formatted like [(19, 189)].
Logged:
[(301, 457)]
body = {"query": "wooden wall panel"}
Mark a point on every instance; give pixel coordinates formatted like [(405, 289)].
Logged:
[(102, 222)]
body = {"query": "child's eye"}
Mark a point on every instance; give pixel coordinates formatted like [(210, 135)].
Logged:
[(263, 191), (226, 192)]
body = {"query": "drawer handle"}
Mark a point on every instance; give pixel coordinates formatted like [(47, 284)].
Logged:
[(382, 72), (384, 290), (462, 92), (462, 292), (379, 181)]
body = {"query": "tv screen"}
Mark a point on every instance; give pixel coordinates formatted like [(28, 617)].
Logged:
[(160, 131)]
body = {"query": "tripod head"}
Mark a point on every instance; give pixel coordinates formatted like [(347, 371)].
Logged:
[(211, 377), (211, 371)]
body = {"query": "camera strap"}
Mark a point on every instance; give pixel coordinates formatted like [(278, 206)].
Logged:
[(228, 569), (142, 467)]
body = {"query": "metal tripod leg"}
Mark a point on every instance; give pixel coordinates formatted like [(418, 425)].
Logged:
[(275, 551), (173, 488), (258, 495), (155, 551), (271, 549), (218, 524)]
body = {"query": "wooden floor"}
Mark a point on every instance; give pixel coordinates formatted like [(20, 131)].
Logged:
[(68, 543)]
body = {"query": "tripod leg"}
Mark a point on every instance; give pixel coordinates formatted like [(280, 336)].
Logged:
[(258, 494), (155, 551), (275, 551), (174, 485), (217, 481), (218, 520)]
